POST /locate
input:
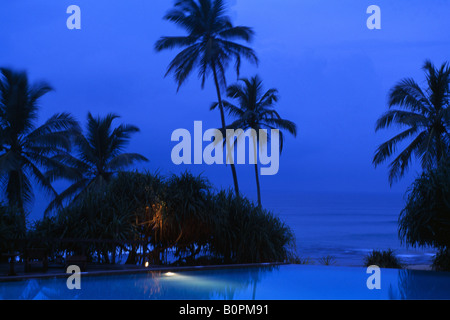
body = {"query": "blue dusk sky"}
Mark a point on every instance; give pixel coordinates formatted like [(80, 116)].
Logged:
[(333, 75)]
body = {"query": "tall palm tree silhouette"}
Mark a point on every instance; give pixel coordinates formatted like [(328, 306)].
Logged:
[(425, 114), (25, 148), (209, 46), (255, 110), (99, 156)]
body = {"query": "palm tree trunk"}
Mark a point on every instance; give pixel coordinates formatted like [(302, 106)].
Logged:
[(222, 117), (258, 188), (14, 188), (257, 184)]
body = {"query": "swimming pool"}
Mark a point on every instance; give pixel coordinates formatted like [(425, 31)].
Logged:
[(282, 282)]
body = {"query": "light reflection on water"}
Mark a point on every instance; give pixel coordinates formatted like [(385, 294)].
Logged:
[(286, 282)]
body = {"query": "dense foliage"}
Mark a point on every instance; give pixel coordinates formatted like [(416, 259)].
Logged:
[(179, 219), (382, 259), (27, 149), (98, 155), (424, 114), (425, 220), (441, 261), (12, 227)]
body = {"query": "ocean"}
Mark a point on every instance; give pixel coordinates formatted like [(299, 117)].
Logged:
[(345, 226)]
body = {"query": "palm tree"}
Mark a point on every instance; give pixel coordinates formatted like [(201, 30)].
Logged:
[(26, 149), (209, 46), (99, 156), (255, 110), (425, 115)]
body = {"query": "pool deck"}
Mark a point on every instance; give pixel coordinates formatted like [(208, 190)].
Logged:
[(58, 271)]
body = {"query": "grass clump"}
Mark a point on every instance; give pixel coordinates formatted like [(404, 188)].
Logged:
[(327, 260), (382, 259), (441, 261)]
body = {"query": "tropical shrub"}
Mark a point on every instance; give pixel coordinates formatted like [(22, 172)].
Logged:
[(98, 217), (143, 194), (382, 259), (327, 260), (43, 234), (245, 233), (97, 222), (184, 226), (12, 228), (425, 220), (441, 261), (180, 215)]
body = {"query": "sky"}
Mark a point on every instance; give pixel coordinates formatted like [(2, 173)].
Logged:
[(333, 75)]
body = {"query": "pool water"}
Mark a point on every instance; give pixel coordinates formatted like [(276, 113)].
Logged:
[(283, 282)]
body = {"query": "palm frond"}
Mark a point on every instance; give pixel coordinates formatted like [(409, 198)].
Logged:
[(425, 114), (283, 124), (408, 94), (207, 44), (40, 178), (124, 160), (174, 42), (401, 163), (238, 33), (386, 149), (67, 194), (402, 118), (10, 161), (183, 63)]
